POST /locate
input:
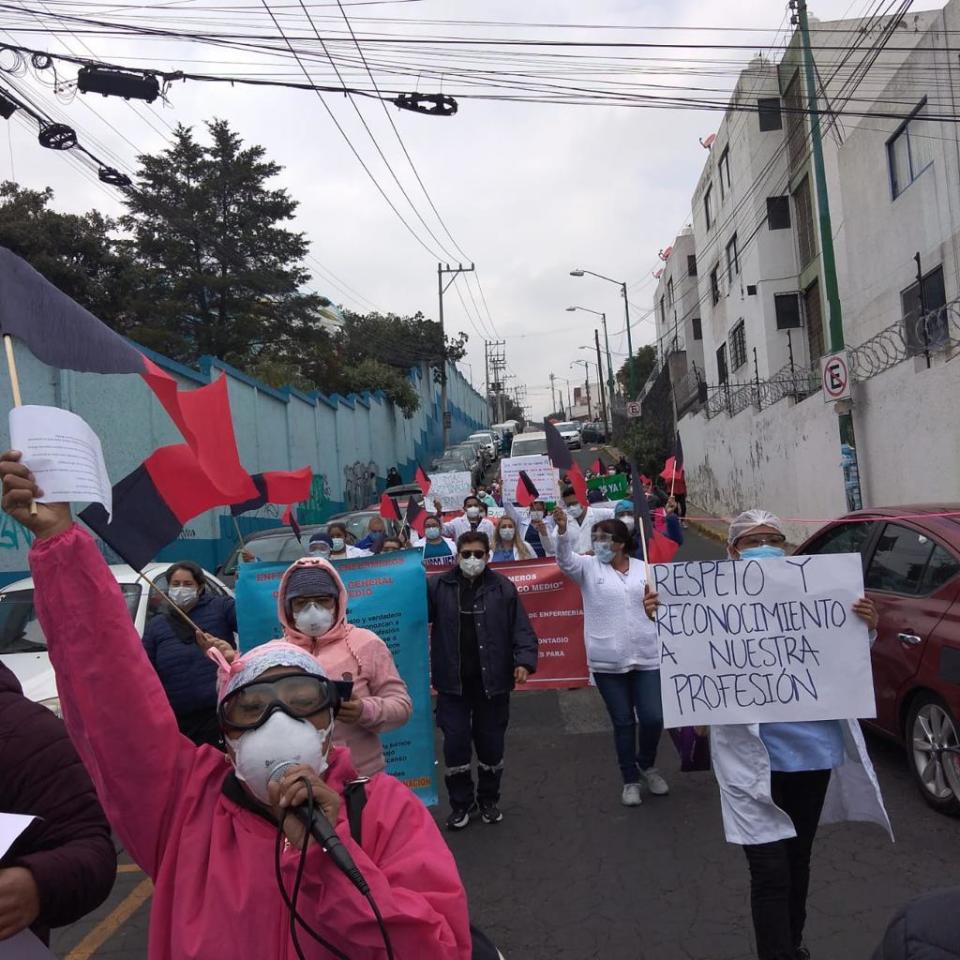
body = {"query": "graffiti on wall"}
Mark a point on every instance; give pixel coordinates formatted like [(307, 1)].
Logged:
[(359, 484), (13, 536), (316, 508)]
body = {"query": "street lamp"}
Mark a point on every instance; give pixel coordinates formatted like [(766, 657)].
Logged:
[(586, 374), (606, 340), (579, 272), (599, 367)]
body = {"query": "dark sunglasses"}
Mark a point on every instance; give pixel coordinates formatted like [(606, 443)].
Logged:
[(475, 554), (298, 695)]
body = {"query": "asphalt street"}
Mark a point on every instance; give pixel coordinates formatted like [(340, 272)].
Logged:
[(571, 874)]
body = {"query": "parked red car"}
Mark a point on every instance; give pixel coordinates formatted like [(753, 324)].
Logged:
[(911, 569)]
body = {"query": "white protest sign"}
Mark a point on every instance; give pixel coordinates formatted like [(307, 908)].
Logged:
[(11, 826), (450, 489), (766, 641), (24, 946), (64, 455), (545, 477)]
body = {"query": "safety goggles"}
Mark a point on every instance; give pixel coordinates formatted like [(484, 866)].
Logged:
[(761, 540), (606, 539), (473, 554), (298, 695)]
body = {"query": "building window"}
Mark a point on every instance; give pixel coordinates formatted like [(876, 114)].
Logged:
[(708, 206), (909, 151), (814, 317), (738, 346), (691, 265), (722, 363), (778, 213), (803, 208), (724, 169), (697, 329), (787, 307), (934, 333), (715, 285), (733, 260), (663, 311), (670, 293), (796, 122), (768, 111)]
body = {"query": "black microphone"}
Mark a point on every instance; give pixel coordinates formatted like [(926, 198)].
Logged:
[(323, 832)]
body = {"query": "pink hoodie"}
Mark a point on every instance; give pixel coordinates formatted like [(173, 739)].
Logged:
[(346, 649), (211, 860)]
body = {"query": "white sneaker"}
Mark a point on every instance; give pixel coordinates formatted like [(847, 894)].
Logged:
[(631, 795), (655, 783)]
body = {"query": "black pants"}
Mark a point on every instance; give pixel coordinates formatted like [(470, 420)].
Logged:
[(780, 871), (681, 499), (473, 721)]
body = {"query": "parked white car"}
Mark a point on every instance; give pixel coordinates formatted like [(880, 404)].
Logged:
[(570, 431), (490, 441), (23, 647)]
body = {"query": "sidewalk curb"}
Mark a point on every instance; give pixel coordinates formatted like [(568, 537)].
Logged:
[(709, 532)]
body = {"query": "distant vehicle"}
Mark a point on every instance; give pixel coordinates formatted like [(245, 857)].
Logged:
[(570, 431), (527, 444), (490, 441), (911, 571), (593, 431), (23, 647)]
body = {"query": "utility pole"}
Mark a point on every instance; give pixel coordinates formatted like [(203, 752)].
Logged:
[(844, 412), (441, 290), (603, 402), (553, 396), (486, 378), (586, 371)]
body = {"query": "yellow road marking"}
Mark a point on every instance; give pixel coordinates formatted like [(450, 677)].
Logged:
[(127, 868), (109, 925)]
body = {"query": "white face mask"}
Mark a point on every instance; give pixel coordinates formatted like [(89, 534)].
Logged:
[(473, 512), (627, 521), (338, 544), (182, 596), (506, 533), (258, 753), (313, 620), (575, 510), (432, 533), (536, 516), (472, 566), (603, 552)]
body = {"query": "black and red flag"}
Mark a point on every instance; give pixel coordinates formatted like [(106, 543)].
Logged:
[(561, 457), (389, 509), (277, 486), (597, 466), (416, 516), (526, 490), (290, 519), (423, 480)]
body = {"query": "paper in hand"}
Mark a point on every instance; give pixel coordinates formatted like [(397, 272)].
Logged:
[(64, 455), (11, 826), (24, 946)]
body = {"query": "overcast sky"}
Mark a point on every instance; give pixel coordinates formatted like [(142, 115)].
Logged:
[(529, 191)]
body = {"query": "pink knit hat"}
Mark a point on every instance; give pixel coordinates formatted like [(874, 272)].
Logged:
[(245, 669)]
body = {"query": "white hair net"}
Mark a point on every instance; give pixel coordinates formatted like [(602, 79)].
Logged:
[(750, 520)]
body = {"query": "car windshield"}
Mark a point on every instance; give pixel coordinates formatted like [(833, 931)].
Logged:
[(524, 447), (568, 426), (19, 628)]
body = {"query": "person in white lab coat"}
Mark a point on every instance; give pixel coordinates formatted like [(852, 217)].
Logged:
[(472, 519), (582, 519), (778, 781)]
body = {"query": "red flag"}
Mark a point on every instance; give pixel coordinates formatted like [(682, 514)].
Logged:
[(277, 486), (576, 480), (389, 509), (661, 549), (597, 467), (423, 480), (416, 516), (671, 470), (526, 490), (290, 518)]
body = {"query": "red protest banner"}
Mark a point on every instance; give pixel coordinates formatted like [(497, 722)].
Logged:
[(555, 610)]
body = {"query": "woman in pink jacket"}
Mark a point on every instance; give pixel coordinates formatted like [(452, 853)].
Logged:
[(207, 838), (312, 607)]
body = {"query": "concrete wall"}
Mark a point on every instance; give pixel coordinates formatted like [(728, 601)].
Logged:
[(350, 442), (787, 458)]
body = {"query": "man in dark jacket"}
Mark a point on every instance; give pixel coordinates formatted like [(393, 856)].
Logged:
[(481, 646), (188, 676), (64, 864), (927, 928)]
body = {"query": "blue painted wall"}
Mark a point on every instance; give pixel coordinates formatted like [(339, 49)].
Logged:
[(350, 442)]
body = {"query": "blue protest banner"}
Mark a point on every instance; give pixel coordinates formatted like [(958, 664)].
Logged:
[(388, 595)]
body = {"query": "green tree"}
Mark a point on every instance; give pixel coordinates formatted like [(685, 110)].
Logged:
[(643, 361), (223, 274), (78, 253)]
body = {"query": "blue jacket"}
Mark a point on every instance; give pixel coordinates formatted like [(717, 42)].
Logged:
[(927, 928), (505, 638), (188, 676)]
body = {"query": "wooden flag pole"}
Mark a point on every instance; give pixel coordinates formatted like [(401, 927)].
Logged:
[(15, 386), (673, 477)]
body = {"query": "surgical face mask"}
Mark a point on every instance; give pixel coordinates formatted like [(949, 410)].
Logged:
[(473, 512), (282, 739), (575, 510), (472, 566), (627, 521), (313, 620), (182, 596), (506, 533), (432, 533), (338, 544), (603, 551), (536, 516), (766, 552)]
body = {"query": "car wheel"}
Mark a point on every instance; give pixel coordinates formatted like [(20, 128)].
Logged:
[(933, 747)]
